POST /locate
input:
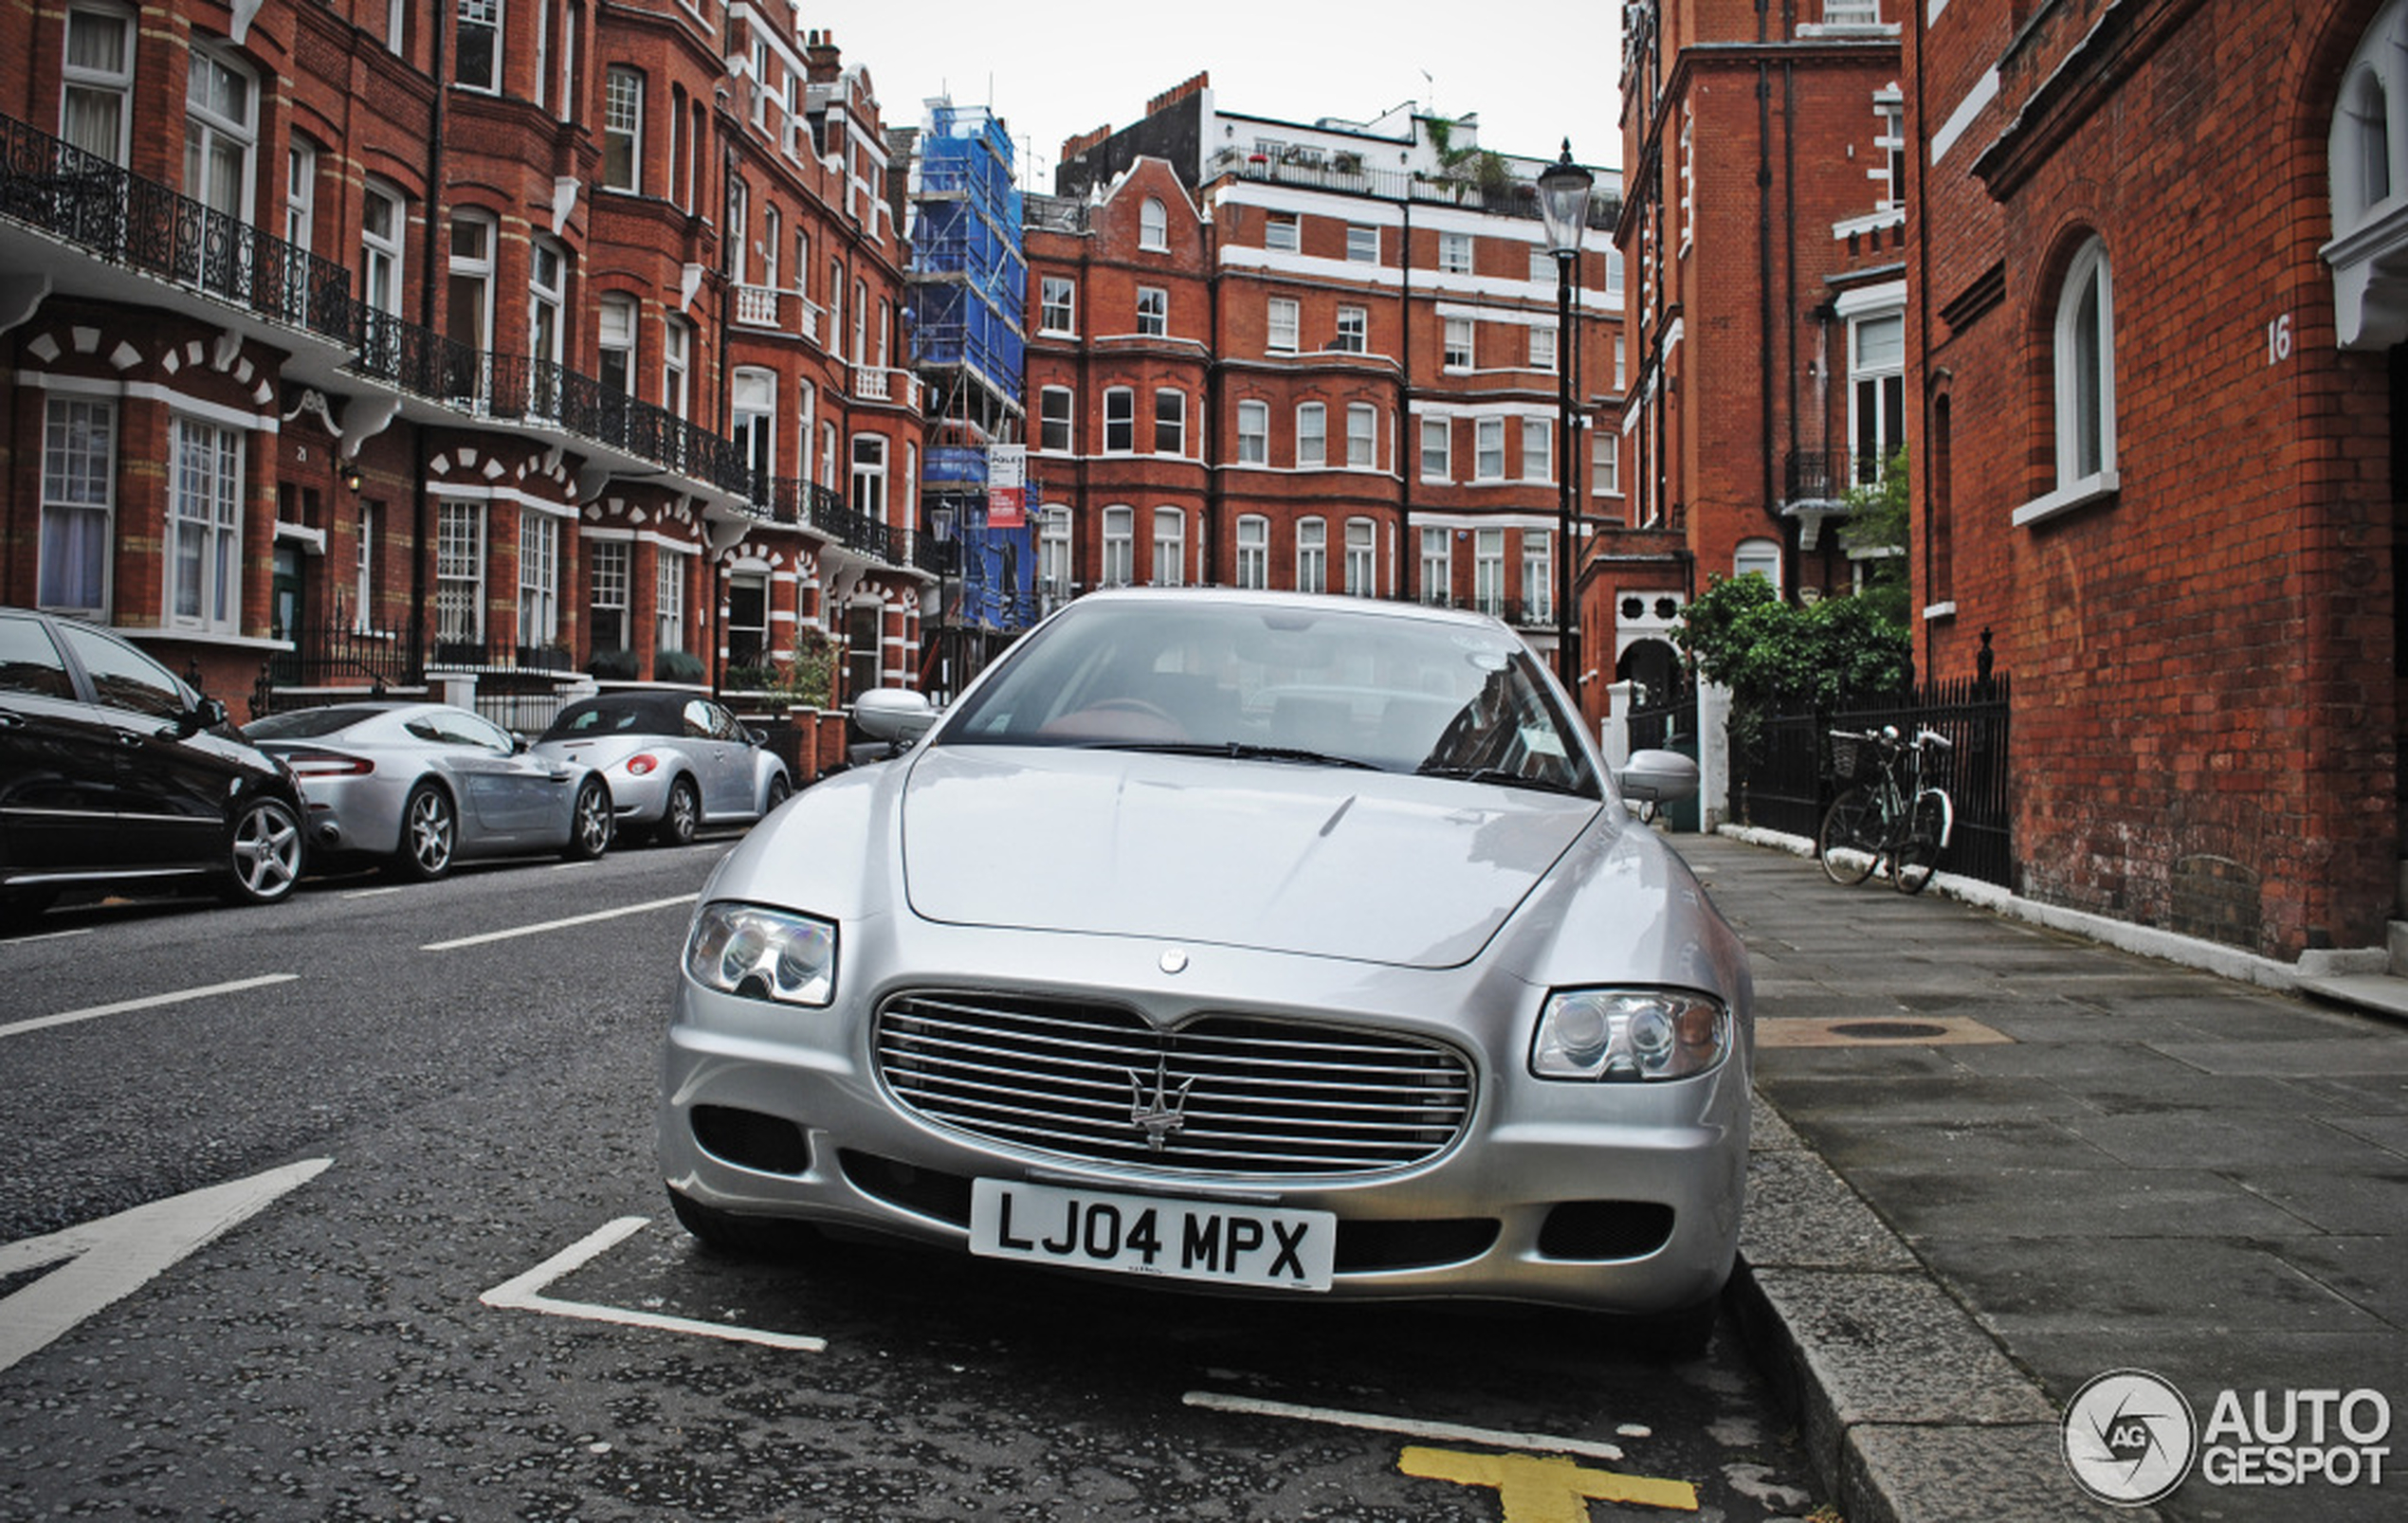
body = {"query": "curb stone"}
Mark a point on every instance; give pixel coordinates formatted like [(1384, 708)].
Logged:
[(1908, 1411)]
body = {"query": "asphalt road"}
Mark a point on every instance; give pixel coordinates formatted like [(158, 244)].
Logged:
[(345, 1208)]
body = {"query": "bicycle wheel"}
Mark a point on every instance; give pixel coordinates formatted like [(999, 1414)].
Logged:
[(1850, 839), (1918, 853)]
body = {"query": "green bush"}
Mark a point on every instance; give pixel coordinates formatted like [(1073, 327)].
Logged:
[(612, 665), (677, 666)]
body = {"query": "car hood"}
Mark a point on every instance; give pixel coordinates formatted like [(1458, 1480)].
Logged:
[(1278, 856)]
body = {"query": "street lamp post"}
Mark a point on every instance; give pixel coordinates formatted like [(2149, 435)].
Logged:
[(1563, 205)]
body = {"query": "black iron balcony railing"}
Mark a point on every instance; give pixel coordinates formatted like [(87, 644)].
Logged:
[(125, 220), (83, 199)]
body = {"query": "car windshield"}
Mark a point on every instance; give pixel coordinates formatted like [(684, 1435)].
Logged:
[(583, 719), (1282, 681), (304, 724)]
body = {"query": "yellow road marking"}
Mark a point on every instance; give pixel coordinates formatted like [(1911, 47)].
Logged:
[(1536, 1489)]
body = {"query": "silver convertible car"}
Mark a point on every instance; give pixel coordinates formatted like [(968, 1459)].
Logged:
[(674, 761), (1248, 941), (424, 785)]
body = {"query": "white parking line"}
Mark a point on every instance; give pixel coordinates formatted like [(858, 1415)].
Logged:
[(150, 1002), (555, 925), (51, 935), (1406, 1426), (524, 1294)]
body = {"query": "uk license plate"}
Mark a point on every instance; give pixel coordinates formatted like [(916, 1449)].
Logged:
[(1211, 1240)]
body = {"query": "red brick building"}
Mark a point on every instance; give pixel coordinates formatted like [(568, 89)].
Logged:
[(1323, 356), (2156, 305), (1764, 232), (451, 345)]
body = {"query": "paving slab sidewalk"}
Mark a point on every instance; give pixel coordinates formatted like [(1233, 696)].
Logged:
[(1994, 1160)]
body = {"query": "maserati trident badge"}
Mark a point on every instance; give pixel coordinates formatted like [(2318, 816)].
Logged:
[(1162, 1112)]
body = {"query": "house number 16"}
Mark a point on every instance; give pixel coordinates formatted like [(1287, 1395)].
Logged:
[(2278, 339)]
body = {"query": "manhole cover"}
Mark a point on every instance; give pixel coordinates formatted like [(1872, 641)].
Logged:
[(1902, 1029)]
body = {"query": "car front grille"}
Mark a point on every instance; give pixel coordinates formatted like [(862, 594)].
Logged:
[(1220, 1095)]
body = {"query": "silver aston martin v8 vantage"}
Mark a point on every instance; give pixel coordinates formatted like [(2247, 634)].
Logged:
[(1249, 942)]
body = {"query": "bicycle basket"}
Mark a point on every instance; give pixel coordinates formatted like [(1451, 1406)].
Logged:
[(1846, 757)]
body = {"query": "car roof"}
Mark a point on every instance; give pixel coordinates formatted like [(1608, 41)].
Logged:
[(662, 712), (1174, 597)]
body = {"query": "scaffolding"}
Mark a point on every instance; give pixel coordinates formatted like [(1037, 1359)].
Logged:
[(968, 306)]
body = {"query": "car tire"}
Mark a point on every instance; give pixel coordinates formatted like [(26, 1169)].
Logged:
[(263, 853), (429, 835), (740, 1237), (589, 822), (681, 817), (779, 791)]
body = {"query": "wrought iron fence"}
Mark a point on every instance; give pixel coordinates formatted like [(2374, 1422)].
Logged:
[(1781, 767)]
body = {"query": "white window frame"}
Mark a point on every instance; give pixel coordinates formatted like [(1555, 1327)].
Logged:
[(1487, 449), (1153, 227), (1253, 432), (1153, 312), (215, 137), (1119, 529), (616, 316), (1873, 383), (1313, 556), (1058, 306), (1120, 420), (78, 504), (606, 563), (1757, 557), (1363, 559), (538, 578), (1537, 574), (1455, 253), (203, 568), (381, 253), (1605, 464), (1253, 566), (677, 366), (1460, 351), (1488, 571), (1057, 420), (1437, 564), (486, 15), (1542, 350), (1353, 331), (1283, 232), (106, 90), (1537, 449), (1437, 449), (363, 571), (622, 129), (1363, 243), (668, 600), (870, 460), (1053, 551), (460, 572), (1169, 546), (1312, 436), (2085, 384), (1281, 323), (1362, 437), (1170, 422)]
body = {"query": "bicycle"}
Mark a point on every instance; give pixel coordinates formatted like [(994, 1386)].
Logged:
[(1894, 816)]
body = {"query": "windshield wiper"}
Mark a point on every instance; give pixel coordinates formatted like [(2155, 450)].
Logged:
[(1501, 777), (1238, 751)]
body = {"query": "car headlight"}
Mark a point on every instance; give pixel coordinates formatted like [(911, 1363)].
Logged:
[(1623, 1036), (762, 955)]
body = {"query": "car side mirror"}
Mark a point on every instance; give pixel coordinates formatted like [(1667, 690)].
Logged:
[(1658, 777), (894, 713), (205, 713)]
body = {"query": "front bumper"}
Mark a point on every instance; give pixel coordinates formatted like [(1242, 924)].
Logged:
[(1623, 1197)]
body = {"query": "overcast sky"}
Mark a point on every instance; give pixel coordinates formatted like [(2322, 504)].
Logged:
[(1535, 70)]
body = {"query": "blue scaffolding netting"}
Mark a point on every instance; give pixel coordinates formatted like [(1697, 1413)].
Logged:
[(968, 308)]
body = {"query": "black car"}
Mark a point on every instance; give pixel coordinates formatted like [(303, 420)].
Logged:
[(114, 772)]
